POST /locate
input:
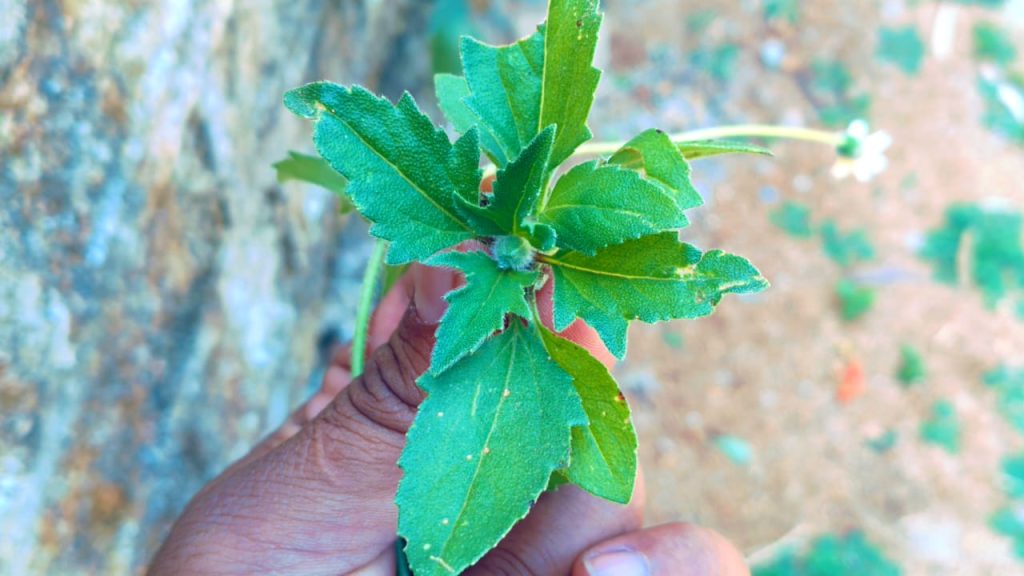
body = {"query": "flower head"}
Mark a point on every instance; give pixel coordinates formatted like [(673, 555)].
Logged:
[(861, 152)]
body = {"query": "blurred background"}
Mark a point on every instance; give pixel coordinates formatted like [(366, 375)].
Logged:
[(165, 302)]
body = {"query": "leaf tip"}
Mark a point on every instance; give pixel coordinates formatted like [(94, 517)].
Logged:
[(304, 101)]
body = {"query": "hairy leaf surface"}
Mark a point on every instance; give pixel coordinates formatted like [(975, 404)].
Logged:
[(505, 91), (518, 90), (484, 444), (451, 92), (594, 206), (603, 452), (404, 174), (477, 309), (570, 80), (516, 191), (651, 279), (653, 153)]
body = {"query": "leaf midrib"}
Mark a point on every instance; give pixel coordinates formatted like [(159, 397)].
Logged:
[(589, 427), (397, 170), (480, 459), (556, 262)]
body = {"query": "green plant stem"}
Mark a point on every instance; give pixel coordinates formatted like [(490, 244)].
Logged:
[(831, 139), (370, 280)]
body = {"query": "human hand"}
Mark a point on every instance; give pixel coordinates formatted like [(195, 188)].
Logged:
[(317, 496)]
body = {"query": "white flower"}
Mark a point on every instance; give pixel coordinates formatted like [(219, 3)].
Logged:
[(861, 152)]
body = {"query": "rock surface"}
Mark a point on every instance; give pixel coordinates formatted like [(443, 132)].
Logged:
[(161, 298)]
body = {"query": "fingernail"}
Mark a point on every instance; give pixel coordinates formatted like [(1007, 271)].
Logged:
[(617, 562), (430, 285)]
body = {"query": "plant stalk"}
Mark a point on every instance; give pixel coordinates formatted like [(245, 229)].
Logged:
[(370, 280), (798, 133), (832, 139)]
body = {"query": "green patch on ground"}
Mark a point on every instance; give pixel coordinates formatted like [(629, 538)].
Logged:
[(832, 555), (672, 339), (943, 427), (855, 300), (1013, 476), (719, 62), (450, 20), (982, 3), (700, 20), (1009, 521), (912, 369), (1008, 385), (734, 448), (837, 101), (884, 442), (1003, 96), (983, 243), (794, 219), (846, 248), (992, 43), (788, 10), (902, 47)]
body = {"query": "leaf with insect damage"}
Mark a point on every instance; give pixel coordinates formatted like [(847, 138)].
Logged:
[(486, 440)]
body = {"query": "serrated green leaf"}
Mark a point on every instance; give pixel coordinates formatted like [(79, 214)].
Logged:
[(707, 148), (604, 452), (313, 170), (451, 92), (594, 206), (545, 79), (516, 191), (477, 309), (569, 78), (654, 154), (486, 440), (505, 90), (381, 147), (651, 279)]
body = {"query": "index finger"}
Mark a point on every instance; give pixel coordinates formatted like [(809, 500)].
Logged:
[(579, 332)]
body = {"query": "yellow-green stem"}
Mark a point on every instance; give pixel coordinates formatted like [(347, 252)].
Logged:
[(831, 139), (370, 281), (769, 131)]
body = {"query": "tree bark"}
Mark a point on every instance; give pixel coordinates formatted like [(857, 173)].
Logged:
[(161, 296)]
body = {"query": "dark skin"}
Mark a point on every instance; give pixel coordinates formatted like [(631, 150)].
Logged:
[(317, 496)]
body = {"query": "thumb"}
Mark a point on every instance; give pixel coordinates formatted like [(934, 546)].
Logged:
[(321, 502)]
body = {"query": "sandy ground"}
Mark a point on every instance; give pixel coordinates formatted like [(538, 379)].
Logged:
[(766, 369)]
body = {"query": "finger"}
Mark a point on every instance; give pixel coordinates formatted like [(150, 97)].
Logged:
[(338, 375), (390, 310), (322, 502), (383, 565), (678, 549), (579, 332), (561, 525)]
